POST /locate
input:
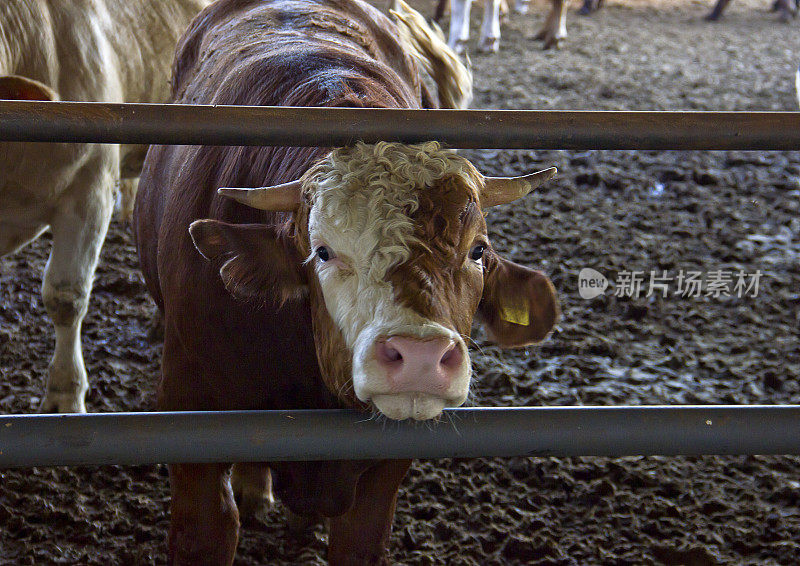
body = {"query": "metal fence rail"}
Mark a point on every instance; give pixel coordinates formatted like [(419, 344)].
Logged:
[(236, 436), (328, 127), (140, 438)]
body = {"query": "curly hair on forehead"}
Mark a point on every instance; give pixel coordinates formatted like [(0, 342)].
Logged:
[(402, 167), (372, 192)]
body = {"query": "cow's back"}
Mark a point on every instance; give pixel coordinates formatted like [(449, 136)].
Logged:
[(294, 53), (110, 50)]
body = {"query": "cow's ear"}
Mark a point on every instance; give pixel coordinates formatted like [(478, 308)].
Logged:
[(14, 87), (254, 261), (519, 305)]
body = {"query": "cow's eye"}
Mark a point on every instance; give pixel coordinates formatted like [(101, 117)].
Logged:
[(476, 253), (324, 253)]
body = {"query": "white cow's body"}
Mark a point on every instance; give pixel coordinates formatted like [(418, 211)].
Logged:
[(87, 50)]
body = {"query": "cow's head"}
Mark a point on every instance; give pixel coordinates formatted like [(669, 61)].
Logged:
[(391, 245)]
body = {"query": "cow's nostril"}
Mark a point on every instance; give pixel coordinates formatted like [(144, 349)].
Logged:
[(451, 357), (388, 354)]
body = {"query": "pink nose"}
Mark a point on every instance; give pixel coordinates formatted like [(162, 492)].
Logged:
[(419, 366)]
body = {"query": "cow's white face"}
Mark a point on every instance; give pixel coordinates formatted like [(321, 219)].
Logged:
[(362, 226)]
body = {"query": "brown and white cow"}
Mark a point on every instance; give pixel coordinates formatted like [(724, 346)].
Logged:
[(551, 33), (350, 280), (88, 50)]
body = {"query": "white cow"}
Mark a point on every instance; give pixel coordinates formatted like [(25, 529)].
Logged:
[(552, 32), (87, 50)]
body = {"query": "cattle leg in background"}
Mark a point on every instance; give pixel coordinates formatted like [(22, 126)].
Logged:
[(490, 27), (519, 6), (441, 9), (79, 227), (555, 25), (590, 6), (716, 12), (363, 532), (784, 7), (797, 86), (130, 168), (551, 33), (459, 24)]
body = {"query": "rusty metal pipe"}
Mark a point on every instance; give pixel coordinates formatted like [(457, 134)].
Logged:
[(241, 436), (35, 121)]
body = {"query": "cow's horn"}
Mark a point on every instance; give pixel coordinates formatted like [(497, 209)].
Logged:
[(279, 198), (500, 190)]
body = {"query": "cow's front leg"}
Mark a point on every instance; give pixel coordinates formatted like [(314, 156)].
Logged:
[(555, 25), (204, 522), (459, 24), (360, 537), (490, 27), (79, 227)]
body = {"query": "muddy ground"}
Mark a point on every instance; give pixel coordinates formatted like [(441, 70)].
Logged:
[(609, 210)]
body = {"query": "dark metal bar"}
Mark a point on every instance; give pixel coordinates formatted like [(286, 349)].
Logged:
[(235, 436), (35, 121)]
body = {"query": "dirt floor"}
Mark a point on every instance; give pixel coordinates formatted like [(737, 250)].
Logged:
[(613, 211)]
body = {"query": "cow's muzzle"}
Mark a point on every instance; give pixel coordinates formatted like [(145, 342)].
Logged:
[(420, 366), (407, 376)]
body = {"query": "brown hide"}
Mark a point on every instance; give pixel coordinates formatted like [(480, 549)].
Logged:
[(438, 282), (222, 352)]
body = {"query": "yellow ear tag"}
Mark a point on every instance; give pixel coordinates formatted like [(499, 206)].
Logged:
[(515, 314)]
